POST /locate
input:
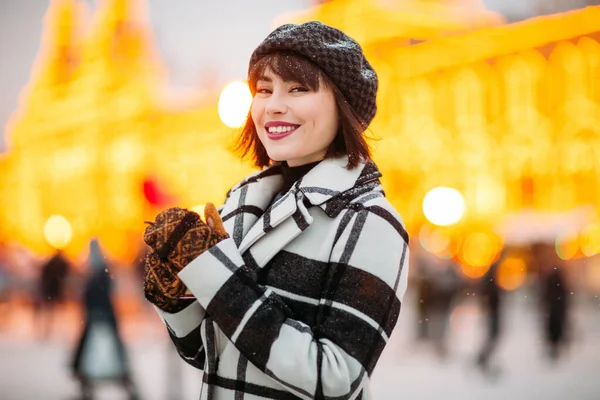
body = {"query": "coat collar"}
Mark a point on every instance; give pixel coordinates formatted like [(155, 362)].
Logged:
[(329, 185), (328, 180)]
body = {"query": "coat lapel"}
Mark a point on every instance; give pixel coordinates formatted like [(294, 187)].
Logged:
[(278, 226), (271, 218), (263, 230), (248, 200)]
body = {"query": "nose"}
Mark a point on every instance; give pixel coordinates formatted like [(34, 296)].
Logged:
[(275, 104)]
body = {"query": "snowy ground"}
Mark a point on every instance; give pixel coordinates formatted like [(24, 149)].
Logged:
[(30, 369)]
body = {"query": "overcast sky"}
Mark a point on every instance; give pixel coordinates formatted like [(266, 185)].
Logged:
[(191, 36)]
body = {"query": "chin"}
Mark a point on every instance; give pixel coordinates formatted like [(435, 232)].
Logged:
[(281, 155)]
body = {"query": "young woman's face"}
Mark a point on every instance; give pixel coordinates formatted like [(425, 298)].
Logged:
[(294, 123)]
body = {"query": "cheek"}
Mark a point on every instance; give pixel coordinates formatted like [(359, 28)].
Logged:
[(256, 111), (325, 114), (328, 121)]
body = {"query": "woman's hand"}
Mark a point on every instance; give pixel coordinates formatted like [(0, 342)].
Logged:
[(176, 238), (162, 286)]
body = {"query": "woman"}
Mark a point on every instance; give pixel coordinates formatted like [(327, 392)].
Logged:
[(301, 298), (100, 354)]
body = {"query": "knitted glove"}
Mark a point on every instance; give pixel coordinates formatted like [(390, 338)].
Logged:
[(176, 238)]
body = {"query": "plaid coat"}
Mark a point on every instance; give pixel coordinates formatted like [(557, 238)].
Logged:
[(302, 298)]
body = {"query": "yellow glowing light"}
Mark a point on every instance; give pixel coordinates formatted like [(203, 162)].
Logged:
[(234, 104), (436, 241), (590, 240), (105, 131), (512, 272), (443, 206), (58, 231), (478, 252), (474, 272), (567, 244)]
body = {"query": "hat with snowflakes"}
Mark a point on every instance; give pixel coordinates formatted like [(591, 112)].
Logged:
[(339, 56)]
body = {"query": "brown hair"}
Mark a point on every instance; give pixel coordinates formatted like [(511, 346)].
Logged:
[(292, 67)]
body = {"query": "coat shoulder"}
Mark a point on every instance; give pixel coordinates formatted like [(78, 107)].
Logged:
[(375, 203)]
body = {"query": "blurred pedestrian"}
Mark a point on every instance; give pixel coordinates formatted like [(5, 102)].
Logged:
[(422, 271), (554, 300), (491, 297), (446, 285), (100, 355), (51, 291)]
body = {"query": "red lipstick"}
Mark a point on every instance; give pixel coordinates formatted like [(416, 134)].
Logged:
[(279, 135)]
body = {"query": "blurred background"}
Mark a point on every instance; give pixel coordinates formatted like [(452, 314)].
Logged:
[(488, 138)]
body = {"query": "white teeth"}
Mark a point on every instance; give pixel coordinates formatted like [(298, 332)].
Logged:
[(281, 129)]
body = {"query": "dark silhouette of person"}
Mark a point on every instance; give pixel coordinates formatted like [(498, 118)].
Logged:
[(423, 284), (100, 355), (53, 276), (554, 301), (446, 285), (491, 296)]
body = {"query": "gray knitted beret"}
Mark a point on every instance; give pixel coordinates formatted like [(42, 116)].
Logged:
[(338, 55)]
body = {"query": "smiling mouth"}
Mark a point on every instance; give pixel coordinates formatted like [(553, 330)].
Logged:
[(276, 130)]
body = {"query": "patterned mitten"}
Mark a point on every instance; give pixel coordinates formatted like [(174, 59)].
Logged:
[(176, 238)]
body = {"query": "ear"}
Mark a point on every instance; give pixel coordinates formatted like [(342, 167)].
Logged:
[(213, 219)]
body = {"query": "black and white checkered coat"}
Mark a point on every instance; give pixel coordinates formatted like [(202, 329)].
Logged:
[(302, 298)]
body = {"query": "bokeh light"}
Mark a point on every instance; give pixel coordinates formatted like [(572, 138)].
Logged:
[(437, 240), (58, 232), (234, 104), (478, 251), (567, 244), (443, 206), (512, 272), (590, 240)]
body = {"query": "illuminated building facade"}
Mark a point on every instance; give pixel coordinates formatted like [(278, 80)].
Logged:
[(505, 113)]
